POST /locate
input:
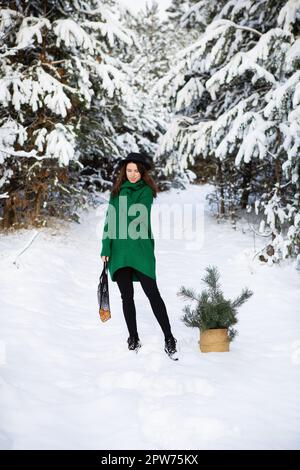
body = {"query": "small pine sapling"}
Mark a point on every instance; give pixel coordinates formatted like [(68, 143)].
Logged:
[(212, 310)]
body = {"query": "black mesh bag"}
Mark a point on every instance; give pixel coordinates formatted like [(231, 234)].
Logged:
[(103, 295)]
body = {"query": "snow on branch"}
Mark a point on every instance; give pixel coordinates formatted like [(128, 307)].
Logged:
[(214, 136), (7, 21), (18, 153), (36, 92), (276, 99), (192, 91), (220, 41), (111, 30), (289, 15), (255, 140), (112, 78), (174, 132), (237, 67), (30, 31), (292, 58), (12, 132), (60, 143), (73, 35)]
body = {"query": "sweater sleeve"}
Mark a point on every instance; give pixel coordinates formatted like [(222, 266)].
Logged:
[(106, 241)]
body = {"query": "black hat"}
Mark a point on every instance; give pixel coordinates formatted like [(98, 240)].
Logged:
[(138, 158)]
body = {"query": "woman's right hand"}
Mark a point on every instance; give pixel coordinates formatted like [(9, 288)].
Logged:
[(105, 258)]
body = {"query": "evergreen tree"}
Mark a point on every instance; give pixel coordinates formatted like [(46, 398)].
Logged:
[(57, 72), (177, 37), (235, 96), (176, 10), (149, 60), (212, 310)]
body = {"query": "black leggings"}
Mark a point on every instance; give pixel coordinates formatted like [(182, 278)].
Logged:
[(123, 278)]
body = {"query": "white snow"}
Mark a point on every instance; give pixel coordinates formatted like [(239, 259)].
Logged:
[(68, 381), (69, 32)]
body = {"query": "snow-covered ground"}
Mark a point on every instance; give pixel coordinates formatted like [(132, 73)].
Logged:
[(68, 381)]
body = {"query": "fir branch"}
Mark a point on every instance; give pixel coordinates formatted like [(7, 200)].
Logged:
[(237, 26), (212, 277), (245, 295), (187, 293)]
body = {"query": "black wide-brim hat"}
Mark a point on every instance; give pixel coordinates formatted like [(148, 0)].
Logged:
[(138, 158)]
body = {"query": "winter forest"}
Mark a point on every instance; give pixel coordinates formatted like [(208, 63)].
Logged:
[(210, 90)]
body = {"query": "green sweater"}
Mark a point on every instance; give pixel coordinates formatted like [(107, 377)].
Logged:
[(127, 236)]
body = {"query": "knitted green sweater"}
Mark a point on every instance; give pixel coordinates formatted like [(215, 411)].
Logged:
[(127, 237)]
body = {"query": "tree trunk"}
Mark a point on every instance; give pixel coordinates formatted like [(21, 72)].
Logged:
[(247, 175), (9, 212), (38, 202), (220, 182)]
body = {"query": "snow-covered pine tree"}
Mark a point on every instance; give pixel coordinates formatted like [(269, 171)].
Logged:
[(104, 135), (149, 59), (175, 12), (144, 119), (55, 65), (150, 30), (236, 100), (175, 38)]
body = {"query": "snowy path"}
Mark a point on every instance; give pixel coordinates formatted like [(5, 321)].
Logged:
[(67, 381)]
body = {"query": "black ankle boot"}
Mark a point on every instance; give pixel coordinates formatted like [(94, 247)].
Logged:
[(133, 343), (170, 347)]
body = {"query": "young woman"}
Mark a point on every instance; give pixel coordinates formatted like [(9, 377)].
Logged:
[(128, 245)]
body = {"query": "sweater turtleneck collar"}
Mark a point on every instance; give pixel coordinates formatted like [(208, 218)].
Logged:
[(128, 184)]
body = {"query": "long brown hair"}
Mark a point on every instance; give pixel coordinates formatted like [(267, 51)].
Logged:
[(123, 177)]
